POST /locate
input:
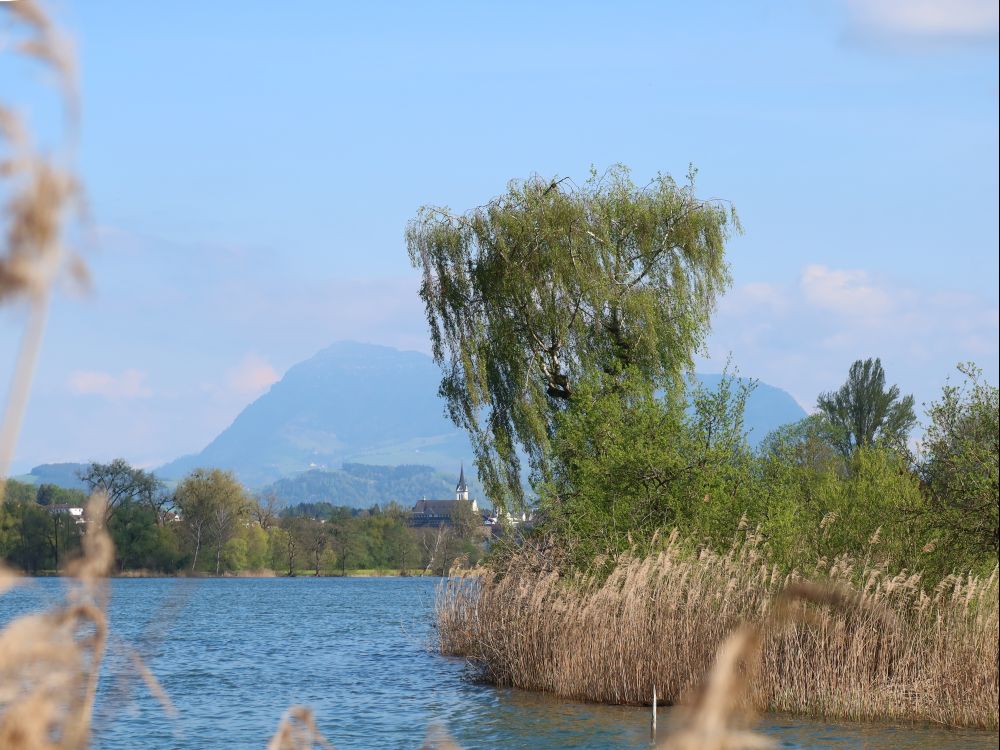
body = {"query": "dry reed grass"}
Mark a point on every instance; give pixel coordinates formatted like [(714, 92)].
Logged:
[(50, 662), (655, 621), (874, 646), (40, 189)]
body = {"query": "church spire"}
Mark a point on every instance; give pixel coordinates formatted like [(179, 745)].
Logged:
[(461, 489)]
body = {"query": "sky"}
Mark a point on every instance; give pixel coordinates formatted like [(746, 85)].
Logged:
[(250, 168)]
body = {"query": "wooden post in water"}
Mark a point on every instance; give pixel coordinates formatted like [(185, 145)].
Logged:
[(652, 725)]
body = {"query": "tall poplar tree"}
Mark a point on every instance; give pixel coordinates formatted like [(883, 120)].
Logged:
[(863, 411)]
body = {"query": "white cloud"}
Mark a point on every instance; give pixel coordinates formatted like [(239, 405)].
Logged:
[(846, 292), (252, 376), (929, 20), (131, 384), (753, 296), (835, 316)]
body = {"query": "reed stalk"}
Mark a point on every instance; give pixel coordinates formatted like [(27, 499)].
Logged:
[(881, 646)]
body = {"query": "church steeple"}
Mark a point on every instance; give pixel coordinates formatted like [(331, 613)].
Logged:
[(462, 489)]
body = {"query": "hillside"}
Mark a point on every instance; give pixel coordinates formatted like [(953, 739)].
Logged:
[(64, 475), (362, 485), (368, 404), (349, 403)]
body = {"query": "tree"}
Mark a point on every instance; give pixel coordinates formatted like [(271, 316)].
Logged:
[(628, 468), (863, 413), (960, 468), (120, 482), (313, 537), (53, 494), (345, 539), (64, 537), (210, 502), (804, 444), (141, 541), (264, 510), (464, 531), (24, 534), (545, 285), (231, 508), (277, 544), (399, 541), (289, 542), (18, 492)]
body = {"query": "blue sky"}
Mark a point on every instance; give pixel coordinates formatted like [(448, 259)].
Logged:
[(250, 168)]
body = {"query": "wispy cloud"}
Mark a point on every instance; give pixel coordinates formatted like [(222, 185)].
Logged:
[(924, 22), (846, 292), (252, 376), (130, 384), (802, 336)]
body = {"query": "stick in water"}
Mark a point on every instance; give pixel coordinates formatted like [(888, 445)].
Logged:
[(652, 726)]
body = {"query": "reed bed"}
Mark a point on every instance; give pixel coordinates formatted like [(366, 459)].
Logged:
[(881, 646)]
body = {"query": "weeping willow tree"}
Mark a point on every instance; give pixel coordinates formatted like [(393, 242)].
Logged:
[(549, 284)]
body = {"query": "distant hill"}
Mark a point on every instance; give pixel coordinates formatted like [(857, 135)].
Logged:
[(362, 485), (375, 405), (62, 475)]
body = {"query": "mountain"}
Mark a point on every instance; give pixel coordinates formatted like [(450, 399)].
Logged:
[(362, 485), (767, 407), (351, 402), (61, 475), (375, 405)]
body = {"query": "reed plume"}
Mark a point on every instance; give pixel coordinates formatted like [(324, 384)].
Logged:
[(865, 645)]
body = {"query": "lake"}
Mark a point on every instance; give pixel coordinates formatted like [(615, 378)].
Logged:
[(234, 653)]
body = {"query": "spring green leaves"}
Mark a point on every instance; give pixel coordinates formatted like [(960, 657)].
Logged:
[(550, 284)]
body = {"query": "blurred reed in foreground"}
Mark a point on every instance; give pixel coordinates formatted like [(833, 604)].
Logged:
[(656, 621), (878, 647)]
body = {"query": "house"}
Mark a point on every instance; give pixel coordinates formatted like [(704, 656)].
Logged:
[(73, 511), (436, 513)]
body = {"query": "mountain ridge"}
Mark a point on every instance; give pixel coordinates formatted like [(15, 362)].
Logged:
[(358, 403), (354, 402)]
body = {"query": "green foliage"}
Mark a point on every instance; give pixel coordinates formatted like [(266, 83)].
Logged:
[(960, 468), (213, 506), (533, 293), (19, 492), (862, 412), (52, 494), (31, 537), (122, 483), (628, 464), (253, 541), (818, 510), (220, 530), (629, 469), (141, 542)]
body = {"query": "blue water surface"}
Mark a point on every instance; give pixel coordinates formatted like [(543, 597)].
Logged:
[(233, 654)]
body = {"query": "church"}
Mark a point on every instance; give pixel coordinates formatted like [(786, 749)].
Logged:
[(435, 513)]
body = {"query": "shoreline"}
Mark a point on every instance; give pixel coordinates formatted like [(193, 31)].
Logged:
[(262, 573)]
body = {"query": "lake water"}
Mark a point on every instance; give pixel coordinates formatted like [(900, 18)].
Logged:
[(234, 653)]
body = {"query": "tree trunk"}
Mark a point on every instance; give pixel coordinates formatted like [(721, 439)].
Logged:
[(197, 549)]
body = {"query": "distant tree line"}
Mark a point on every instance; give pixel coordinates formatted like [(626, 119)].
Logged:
[(623, 472), (210, 524)]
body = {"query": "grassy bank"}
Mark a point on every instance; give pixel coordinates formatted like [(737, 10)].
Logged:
[(892, 648)]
